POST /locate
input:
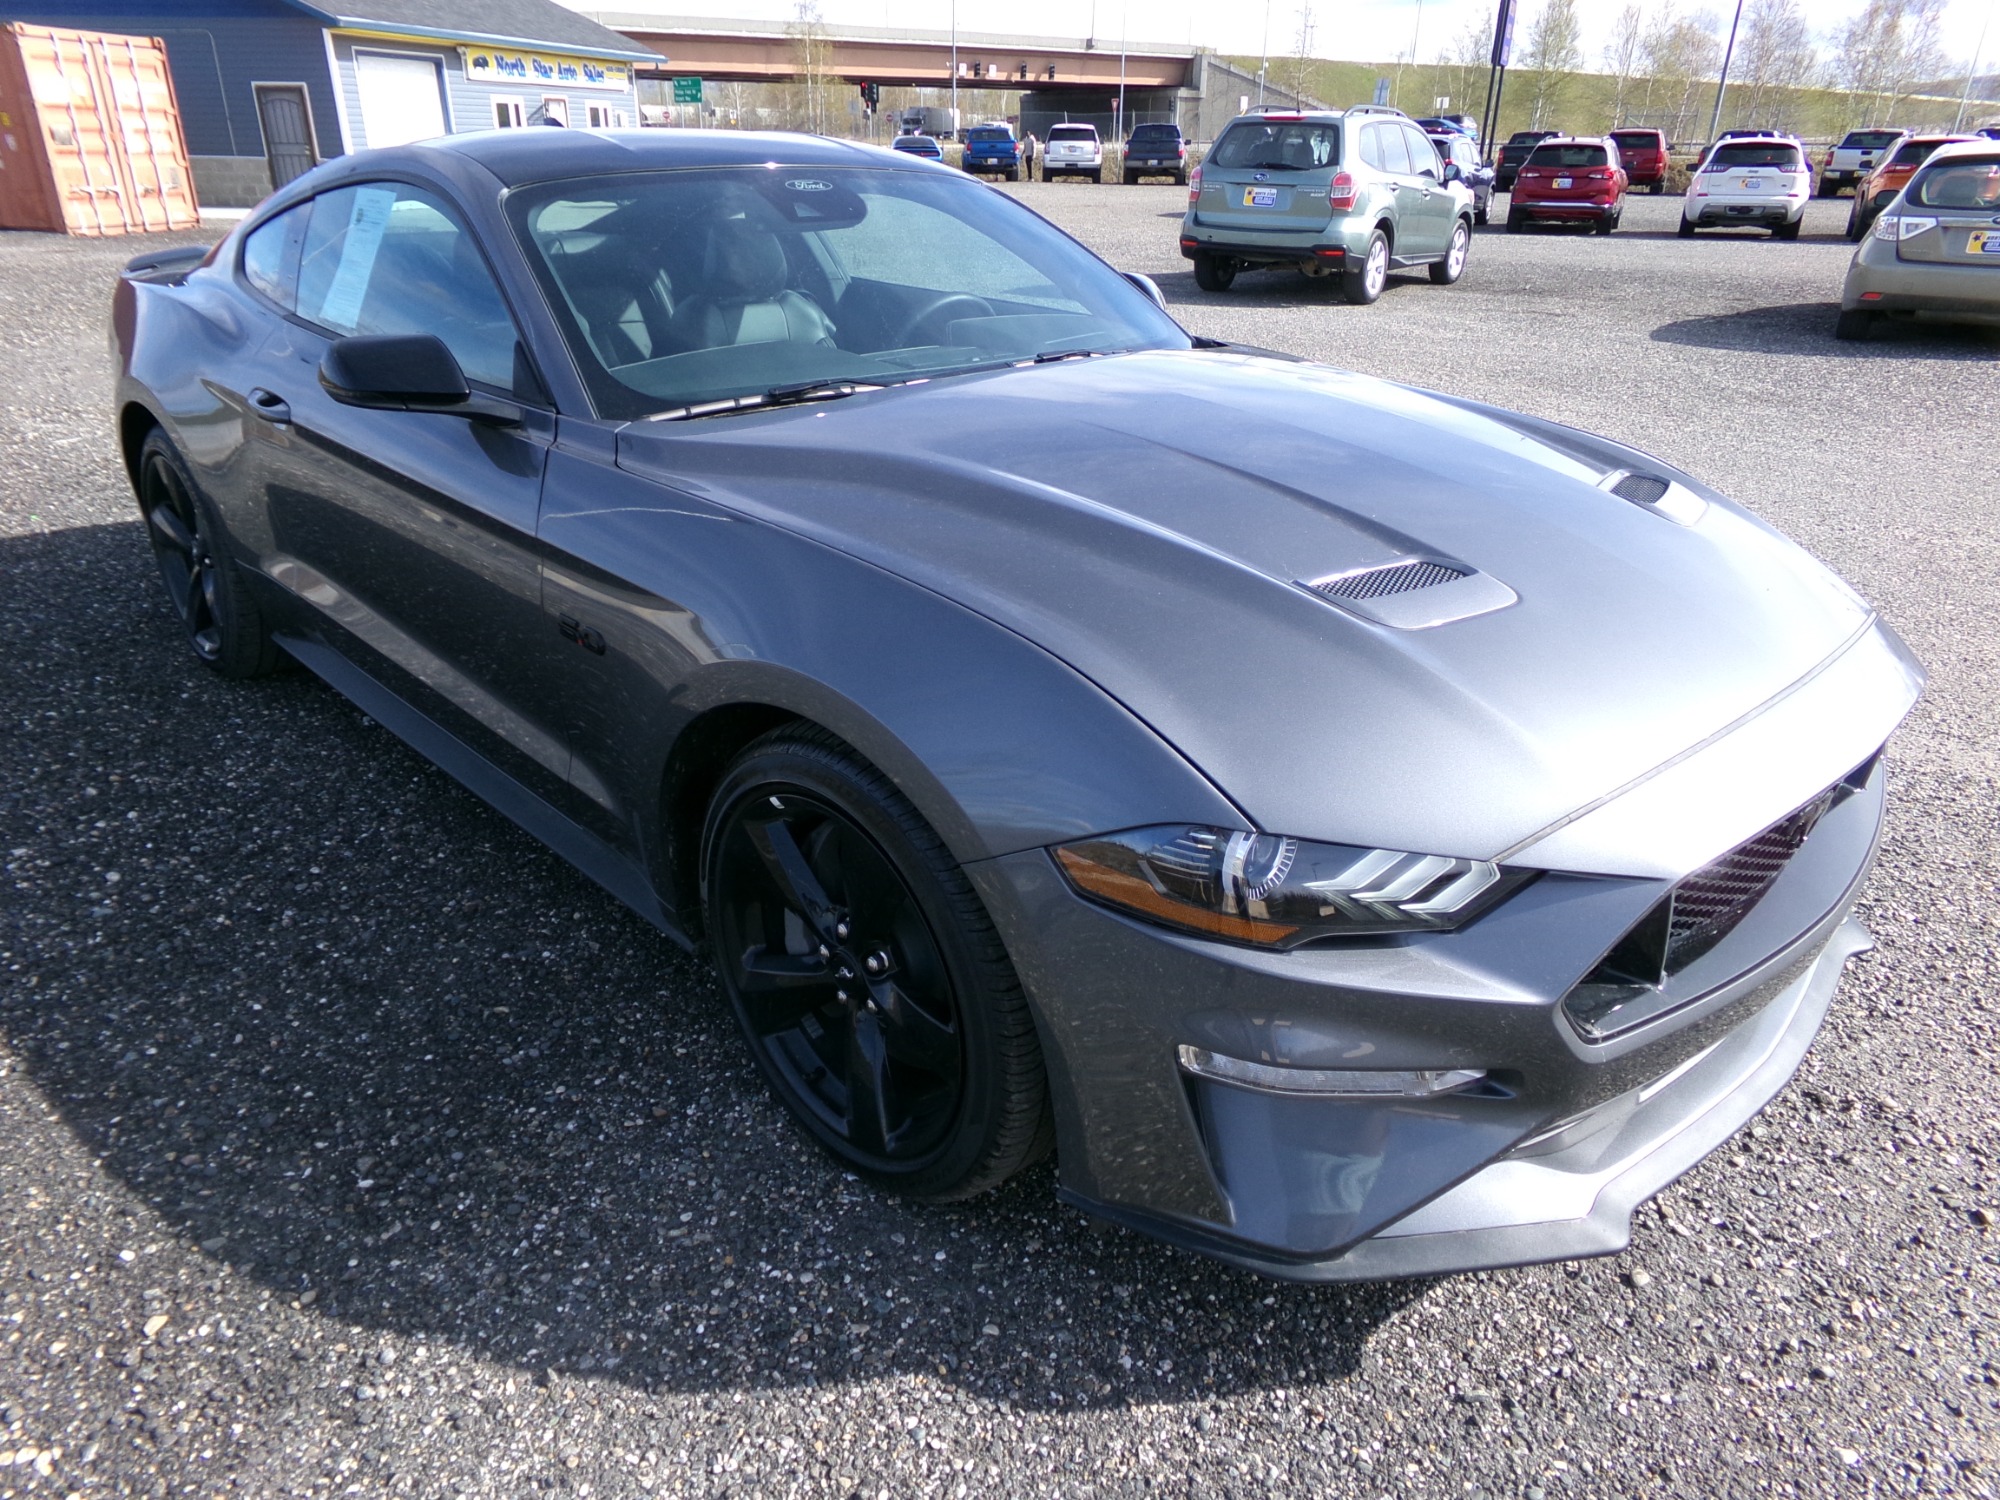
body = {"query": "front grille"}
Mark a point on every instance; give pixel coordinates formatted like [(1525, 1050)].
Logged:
[(1629, 983), (1710, 902), (1395, 578), (1644, 488)]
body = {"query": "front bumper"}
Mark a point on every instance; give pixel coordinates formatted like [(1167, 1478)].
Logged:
[(1546, 1161)]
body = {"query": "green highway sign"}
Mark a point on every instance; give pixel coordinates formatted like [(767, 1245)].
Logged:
[(687, 91)]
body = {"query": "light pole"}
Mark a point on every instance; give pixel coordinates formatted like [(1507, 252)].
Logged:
[(1977, 53), (1722, 83), (1118, 126), (1267, 54), (954, 67)]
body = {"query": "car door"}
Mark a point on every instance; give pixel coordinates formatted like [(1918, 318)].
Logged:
[(409, 537), (1417, 231)]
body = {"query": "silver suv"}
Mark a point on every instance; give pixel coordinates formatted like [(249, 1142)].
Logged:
[(1350, 193)]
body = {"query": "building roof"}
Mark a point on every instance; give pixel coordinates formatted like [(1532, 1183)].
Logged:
[(539, 24)]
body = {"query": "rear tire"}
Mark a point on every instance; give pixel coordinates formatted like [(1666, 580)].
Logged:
[(1516, 221), (1098, 177), (1606, 225), (1445, 272), (1789, 231), (1853, 323), (1855, 227), (1363, 286), (1214, 273), (208, 591), (1659, 187), (1686, 231), (928, 1080)]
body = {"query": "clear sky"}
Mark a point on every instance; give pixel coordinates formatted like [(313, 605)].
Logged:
[(1363, 30)]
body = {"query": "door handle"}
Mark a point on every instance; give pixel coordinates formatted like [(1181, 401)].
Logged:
[(270, 405)]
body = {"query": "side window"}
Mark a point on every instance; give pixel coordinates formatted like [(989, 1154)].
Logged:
[(271, 255), (1395, 154), (1423, 155), (391, 258), (1371, 148)]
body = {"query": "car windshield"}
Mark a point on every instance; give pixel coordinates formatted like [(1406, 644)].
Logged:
[(1569, 156), (684, 287), (1973, 185), (1737, 154), (1285, 147), (1869, 140), (1073, 133)]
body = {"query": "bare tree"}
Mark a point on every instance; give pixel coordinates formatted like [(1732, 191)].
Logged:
[(1775, 58), (1887, 49), (1681, 54), (809, 102), (1299, 67), (1621, 58), (1463, 61), (1554, 55)]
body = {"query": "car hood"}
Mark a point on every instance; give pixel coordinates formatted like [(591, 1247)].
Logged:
[(1150, 519)]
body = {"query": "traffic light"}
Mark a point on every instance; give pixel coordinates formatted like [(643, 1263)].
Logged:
[(871, 95)]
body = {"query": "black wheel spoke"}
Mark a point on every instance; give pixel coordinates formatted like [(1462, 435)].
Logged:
[(171, 529), (781, 989), (795, 879), (867, 1086), (915, 1036)]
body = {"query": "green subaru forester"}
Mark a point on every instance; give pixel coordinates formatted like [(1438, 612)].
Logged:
[(1350, 193)]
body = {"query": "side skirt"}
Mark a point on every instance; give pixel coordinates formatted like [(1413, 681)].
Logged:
[(486, 781)]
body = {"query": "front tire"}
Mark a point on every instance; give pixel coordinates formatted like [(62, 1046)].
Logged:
[(1855, 228), (1363, 286), (1214, 273), (207, 590), (1445, 272), (877, 998)]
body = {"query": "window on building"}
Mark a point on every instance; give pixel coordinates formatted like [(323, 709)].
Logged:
[(508, 114), (555, 109), (597, 116)]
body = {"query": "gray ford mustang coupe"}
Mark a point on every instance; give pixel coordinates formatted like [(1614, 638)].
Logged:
[(1361, 832)]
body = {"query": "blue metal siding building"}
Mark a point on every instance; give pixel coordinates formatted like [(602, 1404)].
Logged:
[(268, 87)]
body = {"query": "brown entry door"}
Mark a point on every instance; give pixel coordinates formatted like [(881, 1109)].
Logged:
[(288, 133)]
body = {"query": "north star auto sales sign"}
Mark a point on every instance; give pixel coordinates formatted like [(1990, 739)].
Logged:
[(489, 65)]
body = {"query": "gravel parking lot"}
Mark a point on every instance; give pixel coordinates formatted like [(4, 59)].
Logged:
[(350, 1143)]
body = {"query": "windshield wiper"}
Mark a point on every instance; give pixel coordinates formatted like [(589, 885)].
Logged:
[(1270, 166), (1050, 356), (796, 394)]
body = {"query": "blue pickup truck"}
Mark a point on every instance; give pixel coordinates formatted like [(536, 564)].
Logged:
[(992, 148)]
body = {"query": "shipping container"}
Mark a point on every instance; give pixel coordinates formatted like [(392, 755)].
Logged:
[(90, 135)]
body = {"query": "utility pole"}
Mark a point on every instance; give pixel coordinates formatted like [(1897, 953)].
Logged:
[(1722, 83), (1977, 53), (954, 66), (1124, 26)]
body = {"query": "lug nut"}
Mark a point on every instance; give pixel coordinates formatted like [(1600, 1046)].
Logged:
[(840, 995), (840, 930)]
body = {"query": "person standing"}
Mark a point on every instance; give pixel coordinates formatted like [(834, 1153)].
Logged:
[(1027, 158)]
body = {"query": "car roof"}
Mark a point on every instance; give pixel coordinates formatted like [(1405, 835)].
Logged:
[(1974, 146), (518, 156), (1636, 130)]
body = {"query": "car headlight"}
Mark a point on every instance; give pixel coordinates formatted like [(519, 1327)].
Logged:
[(1277, 892)]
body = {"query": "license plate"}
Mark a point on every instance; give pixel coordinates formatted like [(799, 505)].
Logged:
[(1751, 183), (1260, 197), (1564, 181), (1982, 242)]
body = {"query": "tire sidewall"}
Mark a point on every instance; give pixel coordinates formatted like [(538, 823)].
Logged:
[(245, 648), (808, 768)]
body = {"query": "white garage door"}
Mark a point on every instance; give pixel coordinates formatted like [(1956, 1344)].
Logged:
[(402, 98)]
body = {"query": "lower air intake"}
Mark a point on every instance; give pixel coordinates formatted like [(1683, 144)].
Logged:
[(1396, 578)]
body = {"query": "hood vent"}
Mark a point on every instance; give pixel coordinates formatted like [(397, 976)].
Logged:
[(1396, 578), (1656, 493), (1414, 593), (1642, 488)]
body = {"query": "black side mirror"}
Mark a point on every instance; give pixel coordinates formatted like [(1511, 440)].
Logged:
[(405, 372), (1452, 172)]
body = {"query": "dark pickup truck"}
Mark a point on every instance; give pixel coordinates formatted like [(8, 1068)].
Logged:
[(1507, 166)]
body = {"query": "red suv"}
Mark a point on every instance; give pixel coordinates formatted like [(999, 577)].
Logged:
[(1644, 153), (1578, 179)]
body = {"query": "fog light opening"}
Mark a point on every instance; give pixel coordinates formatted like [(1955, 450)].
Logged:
[(1407, 1083)]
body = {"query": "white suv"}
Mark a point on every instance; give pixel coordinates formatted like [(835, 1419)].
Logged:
[(1073, 151), (1756, 181)]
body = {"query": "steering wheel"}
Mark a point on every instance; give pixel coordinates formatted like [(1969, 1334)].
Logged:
[(958, 304)]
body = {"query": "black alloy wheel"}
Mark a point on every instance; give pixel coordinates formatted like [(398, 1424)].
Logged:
[(222, 622), (866, 975)]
